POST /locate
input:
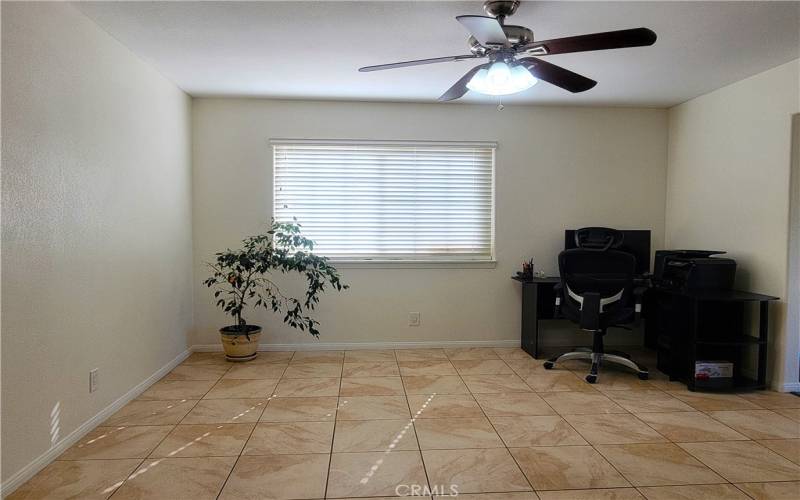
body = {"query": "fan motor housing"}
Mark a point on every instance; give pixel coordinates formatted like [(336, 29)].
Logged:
[(500, 7)]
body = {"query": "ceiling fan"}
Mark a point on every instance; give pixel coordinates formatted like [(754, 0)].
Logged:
[(510, 49)]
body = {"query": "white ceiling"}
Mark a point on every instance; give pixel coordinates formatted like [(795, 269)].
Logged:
[(313, 49)]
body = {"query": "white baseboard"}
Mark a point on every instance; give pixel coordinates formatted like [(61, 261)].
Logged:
[(352, 346), (73, 437)]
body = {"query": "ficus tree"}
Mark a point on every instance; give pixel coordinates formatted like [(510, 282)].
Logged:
[(242, 278)]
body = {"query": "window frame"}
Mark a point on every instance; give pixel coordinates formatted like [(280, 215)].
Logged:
[(443, 262)]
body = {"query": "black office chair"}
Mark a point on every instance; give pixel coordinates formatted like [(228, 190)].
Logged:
[(597, 292)]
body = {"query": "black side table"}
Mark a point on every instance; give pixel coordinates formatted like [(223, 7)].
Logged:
[(709, 325)]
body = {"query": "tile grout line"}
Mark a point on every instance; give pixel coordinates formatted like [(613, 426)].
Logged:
[(744, 492), (483, 411), (335, 421), (252, 431), (486, 416), (584, 437), (187, 413), (412, 418), (513, 458), (416, 434), (230, 472), (669, 441), (235, 462), (203, 396), (175, 426), (677, 444), (594, 448), (588, 443), (126, 478), (413, 425), (707, 414), (561, 415)]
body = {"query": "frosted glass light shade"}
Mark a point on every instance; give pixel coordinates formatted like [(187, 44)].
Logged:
[(500, 79)]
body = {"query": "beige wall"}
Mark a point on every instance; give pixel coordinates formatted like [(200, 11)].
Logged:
[(728, 187), (557, 168), (96, 230), (793, 271)]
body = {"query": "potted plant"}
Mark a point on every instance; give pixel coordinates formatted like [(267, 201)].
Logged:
[(241, 279)]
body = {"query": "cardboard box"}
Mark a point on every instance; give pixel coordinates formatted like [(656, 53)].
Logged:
[(713, 374)]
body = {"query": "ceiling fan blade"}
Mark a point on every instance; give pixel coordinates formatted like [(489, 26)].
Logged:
[(460, 87), (486, 30), (557, 75), (417, 62), (637, 37)]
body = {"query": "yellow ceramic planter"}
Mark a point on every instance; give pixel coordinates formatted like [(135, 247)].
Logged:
[(237, 346)]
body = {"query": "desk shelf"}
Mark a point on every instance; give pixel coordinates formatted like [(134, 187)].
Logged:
[(739, 340), (687, 327), (740, 383), (747, 384)]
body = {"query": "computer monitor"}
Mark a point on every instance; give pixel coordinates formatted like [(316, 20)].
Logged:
[(637, 242)]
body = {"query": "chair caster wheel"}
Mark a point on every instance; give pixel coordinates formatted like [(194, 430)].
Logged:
[(644, 375), (591, 378), (548, 365)]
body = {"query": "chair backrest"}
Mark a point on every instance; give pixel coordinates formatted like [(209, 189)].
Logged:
[(609, 273), (598, 238), (606, 273)]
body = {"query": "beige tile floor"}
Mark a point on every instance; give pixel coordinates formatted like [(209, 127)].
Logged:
[(490, 423)]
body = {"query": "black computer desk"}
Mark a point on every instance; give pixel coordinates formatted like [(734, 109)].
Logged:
[(538, 303), (677, 323)]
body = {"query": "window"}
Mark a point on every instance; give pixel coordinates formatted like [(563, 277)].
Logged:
[(389, 201)]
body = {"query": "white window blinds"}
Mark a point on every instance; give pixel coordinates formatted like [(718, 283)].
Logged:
[(388, 200)]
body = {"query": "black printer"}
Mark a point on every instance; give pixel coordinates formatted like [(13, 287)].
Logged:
[(687, 270)]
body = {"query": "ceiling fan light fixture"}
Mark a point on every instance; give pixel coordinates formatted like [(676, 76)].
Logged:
[(490, 37), (499, 74), (501, 79)]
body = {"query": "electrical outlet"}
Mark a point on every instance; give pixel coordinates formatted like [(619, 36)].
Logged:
[(93, 380), (413, 319)]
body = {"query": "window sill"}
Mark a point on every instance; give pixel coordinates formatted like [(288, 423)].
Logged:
[(413, 264)]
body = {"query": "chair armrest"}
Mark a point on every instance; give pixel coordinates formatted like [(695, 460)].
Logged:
[(559, 289), (638, 294), (590, 311)]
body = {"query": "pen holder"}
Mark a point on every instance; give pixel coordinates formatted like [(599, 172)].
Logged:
[(527, 270)]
